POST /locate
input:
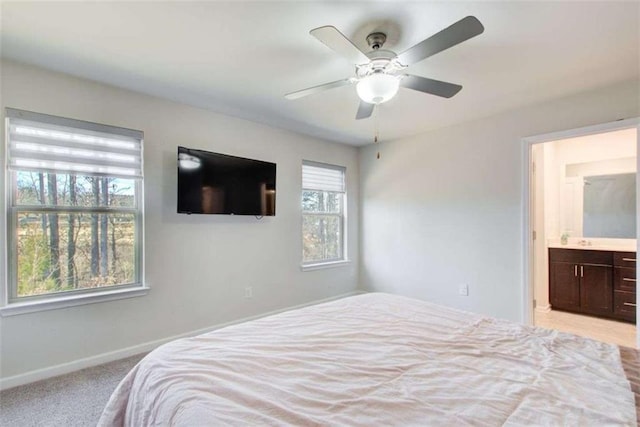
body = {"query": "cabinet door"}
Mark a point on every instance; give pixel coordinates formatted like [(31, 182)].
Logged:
[(564, 285), (596, 289)]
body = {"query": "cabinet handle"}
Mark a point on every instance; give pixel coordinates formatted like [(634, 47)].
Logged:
[(581, 271), (629, 259), (630, 304), (626, 279), (575, 270)]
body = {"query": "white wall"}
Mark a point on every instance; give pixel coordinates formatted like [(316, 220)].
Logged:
[(197, 266), (552, 190), (445, 207), (594, 148)]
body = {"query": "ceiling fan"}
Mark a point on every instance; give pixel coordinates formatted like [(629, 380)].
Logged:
[(379, 72)]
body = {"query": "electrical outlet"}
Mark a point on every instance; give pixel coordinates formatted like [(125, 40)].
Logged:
[(248, 292), (463, 290)]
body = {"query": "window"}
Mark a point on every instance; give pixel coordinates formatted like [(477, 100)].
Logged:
[(323, 214), (74, 207)]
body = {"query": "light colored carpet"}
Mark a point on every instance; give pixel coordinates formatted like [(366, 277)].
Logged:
[(75, 399)]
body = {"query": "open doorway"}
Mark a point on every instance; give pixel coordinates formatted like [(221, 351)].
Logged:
[(582, 232)]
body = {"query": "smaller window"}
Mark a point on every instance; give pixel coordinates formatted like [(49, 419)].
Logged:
[(323, 224)]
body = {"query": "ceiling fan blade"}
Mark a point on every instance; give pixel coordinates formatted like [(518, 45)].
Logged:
[(316, 89), (337, 41), (433, 87), (365, 110), (462, 30)]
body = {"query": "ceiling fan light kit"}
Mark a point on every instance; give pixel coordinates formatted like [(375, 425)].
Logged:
[(377, 88), (379, 72)]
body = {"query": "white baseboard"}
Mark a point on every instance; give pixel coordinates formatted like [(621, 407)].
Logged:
[(65, 368), (543, 308)]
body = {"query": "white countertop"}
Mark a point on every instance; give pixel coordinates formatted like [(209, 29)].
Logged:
[(595, 247), (595, 244)]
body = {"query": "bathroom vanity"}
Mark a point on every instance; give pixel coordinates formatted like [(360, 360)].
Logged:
[(593, 281)]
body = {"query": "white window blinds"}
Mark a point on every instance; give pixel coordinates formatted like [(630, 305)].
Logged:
[(44, 143), (316, 176)]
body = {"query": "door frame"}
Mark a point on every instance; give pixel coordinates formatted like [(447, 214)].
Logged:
[(527, 204)]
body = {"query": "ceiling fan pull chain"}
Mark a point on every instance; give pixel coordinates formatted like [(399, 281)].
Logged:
[(376, 128)]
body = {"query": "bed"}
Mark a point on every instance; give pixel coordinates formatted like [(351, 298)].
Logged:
[(378, 359)]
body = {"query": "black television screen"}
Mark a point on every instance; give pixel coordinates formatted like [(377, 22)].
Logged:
[(213, 183)]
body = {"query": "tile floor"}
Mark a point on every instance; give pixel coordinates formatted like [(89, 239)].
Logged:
[(610, 331)]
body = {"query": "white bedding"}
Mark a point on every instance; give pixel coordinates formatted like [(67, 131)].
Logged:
[(376, 359)]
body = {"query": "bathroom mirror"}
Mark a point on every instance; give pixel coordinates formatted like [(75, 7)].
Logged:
[(609, 206), (597, 199)]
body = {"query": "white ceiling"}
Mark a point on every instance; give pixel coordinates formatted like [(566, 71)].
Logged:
[(241, 57)]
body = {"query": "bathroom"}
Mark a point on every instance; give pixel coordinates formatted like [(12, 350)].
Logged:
[(584, 243)]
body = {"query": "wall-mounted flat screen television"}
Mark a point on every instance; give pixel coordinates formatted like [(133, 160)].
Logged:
[(214, 183)]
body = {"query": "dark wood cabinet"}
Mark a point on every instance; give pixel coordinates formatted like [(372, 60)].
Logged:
[(625, 306), (567, 295), (624, 286), (600, 283), (596, 289)]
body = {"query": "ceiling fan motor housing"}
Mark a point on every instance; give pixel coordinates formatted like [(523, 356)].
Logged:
[(381, 61), (376, 40)]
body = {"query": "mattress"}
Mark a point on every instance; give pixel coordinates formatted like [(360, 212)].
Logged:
[(376, 359)]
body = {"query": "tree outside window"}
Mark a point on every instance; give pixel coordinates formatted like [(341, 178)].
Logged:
[(323, 198)]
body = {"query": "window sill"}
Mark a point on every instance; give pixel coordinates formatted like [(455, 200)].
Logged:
[(71, 301), (322, 265)]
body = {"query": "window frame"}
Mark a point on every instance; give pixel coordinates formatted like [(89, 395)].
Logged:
[(342, 259), (12, 303)]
